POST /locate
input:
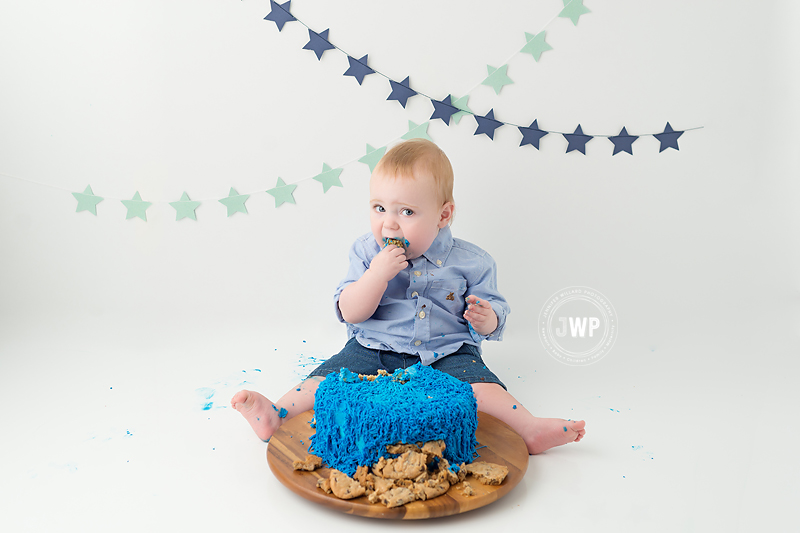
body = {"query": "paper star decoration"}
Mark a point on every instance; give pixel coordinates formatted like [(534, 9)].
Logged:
[(443, 109), (497, 78), (577, 140), (464, 110), (284, 193), (235, 202), (136, 207), (184, 208), (487, 124), (328, 178), (358, 68), (87, 201), (401, 91), (280, 13), (531, 135), (318, 43), (668, 139), (623, 142), (535, 45), (417, 131), (573, 9), (372, 157)]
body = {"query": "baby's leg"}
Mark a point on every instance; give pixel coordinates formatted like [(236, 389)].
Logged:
[(539, 434), (265, 417)]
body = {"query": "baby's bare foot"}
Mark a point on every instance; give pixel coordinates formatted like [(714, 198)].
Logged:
[(261, 413), (551, 432)]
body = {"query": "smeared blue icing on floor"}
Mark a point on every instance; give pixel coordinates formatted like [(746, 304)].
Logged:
[(307, 363), (643, 454), (219, 394)]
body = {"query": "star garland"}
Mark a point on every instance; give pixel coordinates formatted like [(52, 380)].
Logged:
[(282, 192), (449, 109)]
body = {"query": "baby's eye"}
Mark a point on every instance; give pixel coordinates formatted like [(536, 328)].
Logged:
[(379, 208), (407, 212)]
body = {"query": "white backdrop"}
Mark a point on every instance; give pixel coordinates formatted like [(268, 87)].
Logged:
[(109, 326)]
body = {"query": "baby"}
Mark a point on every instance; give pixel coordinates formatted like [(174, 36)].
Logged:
[(413, 293)]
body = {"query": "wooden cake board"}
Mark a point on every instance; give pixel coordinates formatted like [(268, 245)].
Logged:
[(500, 445)]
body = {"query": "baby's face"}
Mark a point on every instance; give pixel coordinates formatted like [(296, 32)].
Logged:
[(406, 208)]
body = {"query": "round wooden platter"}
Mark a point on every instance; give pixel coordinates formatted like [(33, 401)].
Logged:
[(503, 446)]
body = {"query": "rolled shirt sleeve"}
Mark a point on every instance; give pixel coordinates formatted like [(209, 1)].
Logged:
[(485, 289)]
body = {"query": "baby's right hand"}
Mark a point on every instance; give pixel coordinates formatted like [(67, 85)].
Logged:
[(389, 262)]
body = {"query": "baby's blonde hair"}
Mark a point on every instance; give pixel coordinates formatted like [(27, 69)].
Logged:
[(411, 157)]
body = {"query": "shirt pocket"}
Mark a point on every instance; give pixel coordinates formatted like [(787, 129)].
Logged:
[(449, 294)]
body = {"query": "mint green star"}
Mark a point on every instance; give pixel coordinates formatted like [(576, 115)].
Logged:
[(573, 9), (535, 45), (417, 131), (136, 207), (235, 202), (87, 201), (461, 104), (497, 78), (282, 193), (372, 157), (329, 177), (184, 208)]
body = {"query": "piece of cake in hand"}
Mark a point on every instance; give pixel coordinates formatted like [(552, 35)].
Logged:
[(400, 243)]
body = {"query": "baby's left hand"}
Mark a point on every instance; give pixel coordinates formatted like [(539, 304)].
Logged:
[(481, 315)]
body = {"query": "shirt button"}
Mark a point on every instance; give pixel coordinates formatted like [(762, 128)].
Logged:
[(414, 294), (417, 273), (439, 262), (417, 343), (422, 314)]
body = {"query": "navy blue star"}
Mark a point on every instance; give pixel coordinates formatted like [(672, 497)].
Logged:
[(318, 43), (669, 138), (401, 91), (487, 124), (358, 68), (443, 109), (280, 13), (623, 142), (531, 135), (577, 140)]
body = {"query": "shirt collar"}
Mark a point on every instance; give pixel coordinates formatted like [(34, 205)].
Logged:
[(440, 247)]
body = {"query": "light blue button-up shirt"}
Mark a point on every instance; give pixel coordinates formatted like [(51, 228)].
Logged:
[(422, 310)]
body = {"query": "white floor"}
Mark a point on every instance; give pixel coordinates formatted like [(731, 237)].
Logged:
[(105, 430)]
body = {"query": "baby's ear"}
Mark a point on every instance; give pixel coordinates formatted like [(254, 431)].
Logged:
[(446, 214)]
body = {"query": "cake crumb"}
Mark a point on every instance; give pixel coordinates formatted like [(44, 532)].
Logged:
[(396, 497), (324, 483), (311, 463), (487, 473), (345, 487), (467, 489)]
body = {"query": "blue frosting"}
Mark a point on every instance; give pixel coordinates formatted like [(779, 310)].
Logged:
[(356, 419)]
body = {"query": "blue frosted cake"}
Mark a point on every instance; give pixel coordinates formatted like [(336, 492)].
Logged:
[(357, 417)]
